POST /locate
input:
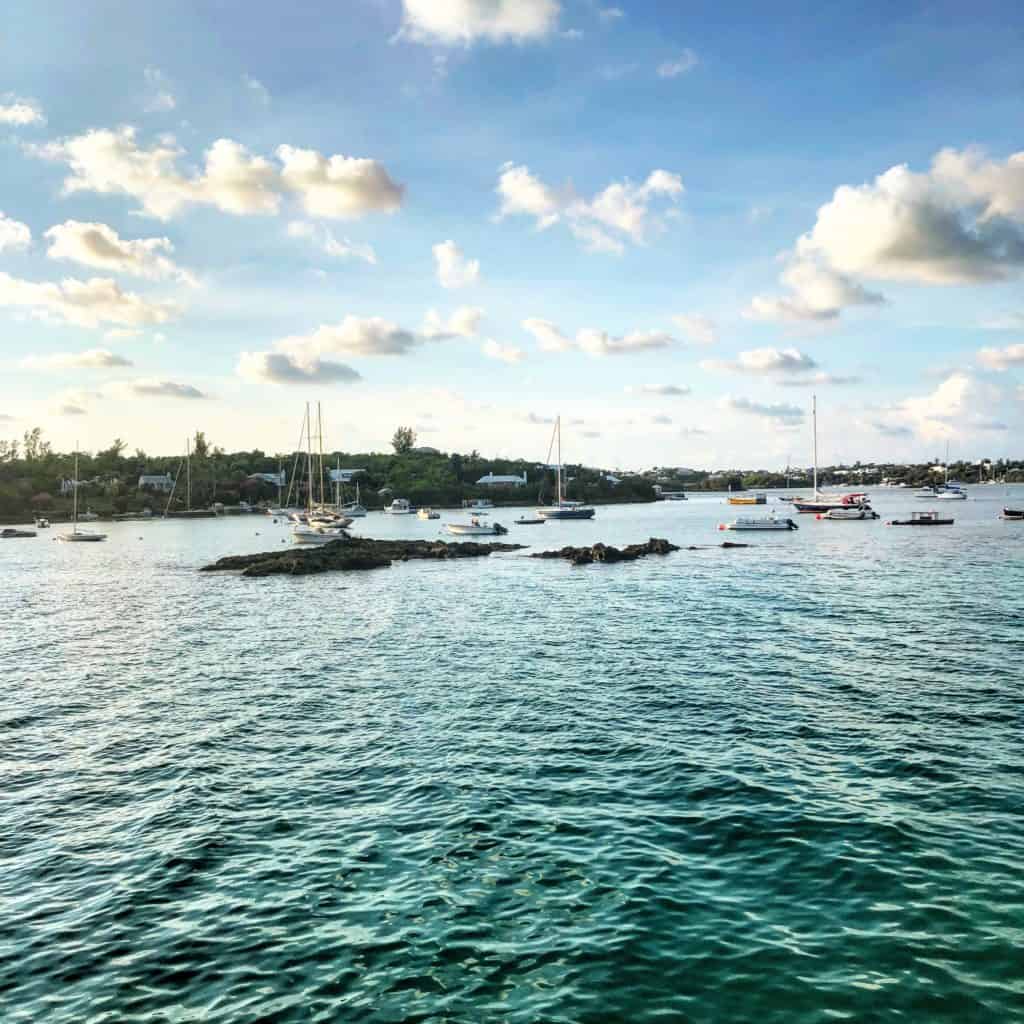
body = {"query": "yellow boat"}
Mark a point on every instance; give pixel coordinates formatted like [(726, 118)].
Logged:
[(748, 499)]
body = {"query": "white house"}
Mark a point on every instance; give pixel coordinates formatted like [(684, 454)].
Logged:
[(277, 479), (496, 480), (343, 476), (156, 482)]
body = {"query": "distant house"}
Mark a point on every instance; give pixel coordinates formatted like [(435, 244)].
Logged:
[(497, 480), (613, 480), (343, 476), (277, 479), (156, 482)]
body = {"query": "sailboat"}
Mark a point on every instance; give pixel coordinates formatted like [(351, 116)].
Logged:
[(352, 509), (322, 525), (76, 534), (825, 502), (562, 508)]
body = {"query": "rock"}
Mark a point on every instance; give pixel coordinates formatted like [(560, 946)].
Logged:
[(606, 553), (349, 554)]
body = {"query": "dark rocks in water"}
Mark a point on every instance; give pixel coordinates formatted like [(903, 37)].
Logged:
[(606, 553), (349, 554)]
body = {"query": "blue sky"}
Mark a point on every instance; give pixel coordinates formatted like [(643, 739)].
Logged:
[(641, 200)]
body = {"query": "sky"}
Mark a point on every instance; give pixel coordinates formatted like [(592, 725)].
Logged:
[(669, 224)]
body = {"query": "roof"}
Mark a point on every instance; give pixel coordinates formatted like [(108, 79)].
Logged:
[(493, 478)]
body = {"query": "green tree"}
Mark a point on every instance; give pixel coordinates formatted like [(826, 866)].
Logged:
[(403, 441), (200, 446)]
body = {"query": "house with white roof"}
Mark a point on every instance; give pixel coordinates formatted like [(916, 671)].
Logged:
[(156, 482), (497, 480)]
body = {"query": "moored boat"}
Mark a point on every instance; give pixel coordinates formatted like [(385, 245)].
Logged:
[(427, 513), (76, 535), (760, 498), (562, 508), (760, 523), (849, 513), (474, 528), (1013, 514), (400, 507), (42, 523), (921, 519), (10, 533)]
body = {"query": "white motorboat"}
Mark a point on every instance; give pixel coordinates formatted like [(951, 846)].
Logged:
[(304, 533), (951, 493), (562, 508), (853, 512), (478, 505), (474, 528), (760, 523), (77, 535), (42, 523), (400, 507), (427, 513), (10, 533)]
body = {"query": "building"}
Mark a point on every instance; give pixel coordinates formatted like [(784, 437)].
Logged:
[(343, 476), (277, 479), (496, 480), (156, 482)]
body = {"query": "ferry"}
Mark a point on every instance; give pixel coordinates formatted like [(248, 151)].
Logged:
[(760, 498)]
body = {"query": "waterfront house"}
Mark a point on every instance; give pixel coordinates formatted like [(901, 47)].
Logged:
[(498, 480), (156, 482)]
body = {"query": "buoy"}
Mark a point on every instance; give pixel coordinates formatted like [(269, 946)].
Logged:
[(721, 526), (819, 516)]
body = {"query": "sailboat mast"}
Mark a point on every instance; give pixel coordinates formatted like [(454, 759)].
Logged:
[(320, 434), (309, 461), (558, 435), (188, 474), (337, 484), (814, 417), (74, 505)]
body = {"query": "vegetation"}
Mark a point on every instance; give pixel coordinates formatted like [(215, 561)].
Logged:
[(36, 479)]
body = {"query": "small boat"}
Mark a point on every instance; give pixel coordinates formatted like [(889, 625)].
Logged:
[(673, 496), (921, 519), (852, 512), (76, 535), (474, 528), (760, 498), (523, 521), (760, 523), (427, 513), (1013, 514), (562, 508), (400, 507), (478, 505), (951, 493), (305, 533), (42, 523), (9, 533)]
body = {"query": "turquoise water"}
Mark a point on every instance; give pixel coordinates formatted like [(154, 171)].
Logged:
[(782, 784)]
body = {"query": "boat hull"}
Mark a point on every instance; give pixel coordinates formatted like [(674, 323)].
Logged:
[(565, 513)]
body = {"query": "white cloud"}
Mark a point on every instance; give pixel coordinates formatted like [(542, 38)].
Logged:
[(664, 390), (455, 22), (70, 409), (89, 303), (463, 323), (13, 234), (960, 222), (594, 342), (816, 293), (618, 214), (343, 248), (152, 387), (17, 111), (821, 379), (257, 89), (779, 412), (1001, 358), (98, 245), (280, 368), (701, 330), (661, 420), (93, 359), (685, 62), (232, 180), (505, 353), (338, 186), (453, 269), (764, 361), (159, 98), (354, 336), (609, 14)]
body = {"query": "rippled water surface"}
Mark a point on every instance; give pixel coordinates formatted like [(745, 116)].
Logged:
[(780, 784)]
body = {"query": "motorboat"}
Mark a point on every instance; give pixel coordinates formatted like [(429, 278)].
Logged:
[(307, 533), (673, 496), (427, 513), (478, 505), (760, 523), (400, 507), (88, 516), (760, 498), (42, 523), (525, 521), (1013, 513), (475, 528), (76, 535), (921, 519), (851, 512), (951, 492), (10, 533)]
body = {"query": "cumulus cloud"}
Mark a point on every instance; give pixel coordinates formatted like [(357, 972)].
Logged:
[(98, 245), (13, 234), (550, 338), (779, 412), (621, 213), (821, 379), (463, 323), (816, 293), (323, 237), (152, 387), (464, 22), (93, 359), (764, 361), (505, 353), (453, 269), (961, 403), (608, 14), (685, 62), (1001, 358), (91, 303), (232, 179), (17, 111), (664, 390), (701, 330), (281, 368), (354, 336)]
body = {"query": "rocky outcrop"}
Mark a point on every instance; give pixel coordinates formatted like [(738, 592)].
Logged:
[(349, 554), (607, 553)]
